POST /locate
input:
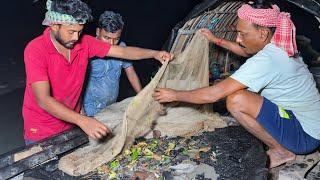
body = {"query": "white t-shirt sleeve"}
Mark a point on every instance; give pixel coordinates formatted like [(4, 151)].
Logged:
[(256, 73)]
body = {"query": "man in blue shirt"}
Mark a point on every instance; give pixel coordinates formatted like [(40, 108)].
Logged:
[(104, 74)]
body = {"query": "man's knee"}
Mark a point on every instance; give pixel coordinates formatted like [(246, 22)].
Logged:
[(236, 100), (245, 102)]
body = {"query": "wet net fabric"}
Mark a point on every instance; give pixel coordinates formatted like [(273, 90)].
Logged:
[(139, 116)]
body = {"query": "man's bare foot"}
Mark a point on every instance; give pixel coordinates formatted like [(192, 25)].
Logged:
[(279, 156)]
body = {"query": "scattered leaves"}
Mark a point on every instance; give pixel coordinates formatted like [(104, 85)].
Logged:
[(154, 156)]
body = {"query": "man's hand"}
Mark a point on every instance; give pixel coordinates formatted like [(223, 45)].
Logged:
[(230, 45), (163, 56), (209, 35), (93, 128), (165, 95)]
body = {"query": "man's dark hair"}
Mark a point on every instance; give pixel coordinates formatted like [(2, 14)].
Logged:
[(262, 4), (110, 21), (75, 8)]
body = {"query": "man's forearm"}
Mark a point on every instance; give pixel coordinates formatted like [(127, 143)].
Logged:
[(200, 96), (133, 79), (135, 53), (210, 94), (132, 53), (231, 46), (135, 83), (60, 111)]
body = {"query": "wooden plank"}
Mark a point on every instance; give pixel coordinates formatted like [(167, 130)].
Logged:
[(41, 157), (12, 157)]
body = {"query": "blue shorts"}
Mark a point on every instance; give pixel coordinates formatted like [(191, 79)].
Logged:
[(283, 126)]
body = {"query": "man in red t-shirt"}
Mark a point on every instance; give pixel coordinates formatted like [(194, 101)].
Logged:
[(56, 64)]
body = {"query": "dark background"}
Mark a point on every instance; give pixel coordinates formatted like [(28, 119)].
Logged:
[(147, 24)]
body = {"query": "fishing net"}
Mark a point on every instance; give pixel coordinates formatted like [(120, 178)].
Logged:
[(141, 115)]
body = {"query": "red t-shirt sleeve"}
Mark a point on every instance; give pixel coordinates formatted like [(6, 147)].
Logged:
[(35, 64), (97, 47)]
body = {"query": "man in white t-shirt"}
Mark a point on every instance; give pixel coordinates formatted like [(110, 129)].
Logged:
[(273, 95)]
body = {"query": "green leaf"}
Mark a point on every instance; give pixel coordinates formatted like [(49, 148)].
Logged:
[(165, 159), (153, 145), (147, 152), (185, 152), (135, 153), (114, 164), (112, 175), (171, 146), (149, 157)]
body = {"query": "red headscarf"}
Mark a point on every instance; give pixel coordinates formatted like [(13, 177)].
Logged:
[(285, 33)]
